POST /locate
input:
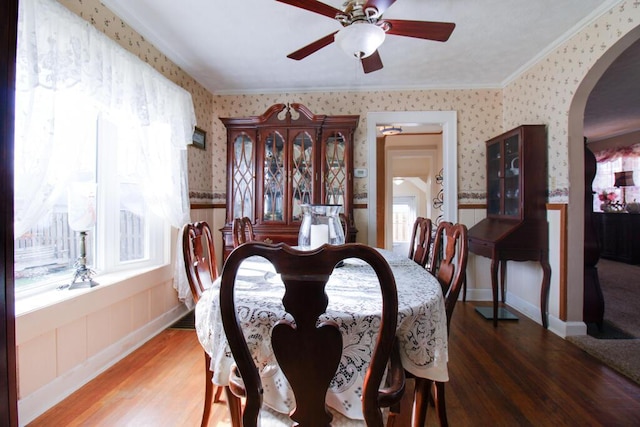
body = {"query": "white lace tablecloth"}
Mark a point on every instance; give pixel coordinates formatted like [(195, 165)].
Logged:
[(355, 304)]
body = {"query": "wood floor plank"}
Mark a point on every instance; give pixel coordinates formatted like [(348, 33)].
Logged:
[(517, 374)]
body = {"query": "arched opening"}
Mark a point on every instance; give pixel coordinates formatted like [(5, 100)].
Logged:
[(575, 226)]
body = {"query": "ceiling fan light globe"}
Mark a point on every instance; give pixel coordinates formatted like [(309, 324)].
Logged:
[(360, 39)]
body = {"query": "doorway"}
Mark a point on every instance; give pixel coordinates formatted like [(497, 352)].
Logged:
[(575, 228), (447, 120)]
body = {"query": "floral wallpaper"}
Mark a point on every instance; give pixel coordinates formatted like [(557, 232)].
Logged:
[(479, 119), (542, 94)]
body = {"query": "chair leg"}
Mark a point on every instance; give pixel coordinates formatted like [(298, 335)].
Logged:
[(441, 408), (421, 401), (208, 390), (235, 407), (216, 398)]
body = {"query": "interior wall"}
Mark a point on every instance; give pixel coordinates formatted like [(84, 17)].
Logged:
[(554, 92)]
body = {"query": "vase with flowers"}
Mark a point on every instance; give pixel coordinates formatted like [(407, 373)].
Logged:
[(608, 200)]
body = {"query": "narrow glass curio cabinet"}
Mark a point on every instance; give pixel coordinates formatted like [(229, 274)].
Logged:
[(516, 227)]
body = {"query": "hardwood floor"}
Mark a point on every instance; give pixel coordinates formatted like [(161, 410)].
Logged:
[(517, 374)]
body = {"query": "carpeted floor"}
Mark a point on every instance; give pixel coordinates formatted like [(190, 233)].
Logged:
[(618, 344)]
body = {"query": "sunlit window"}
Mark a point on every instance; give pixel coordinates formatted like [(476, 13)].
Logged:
[(105, 199)]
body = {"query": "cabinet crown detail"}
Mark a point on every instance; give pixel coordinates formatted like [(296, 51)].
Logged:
[(283, 159)]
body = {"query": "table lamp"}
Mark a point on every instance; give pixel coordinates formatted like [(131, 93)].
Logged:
[(623, 179), (81, 200)]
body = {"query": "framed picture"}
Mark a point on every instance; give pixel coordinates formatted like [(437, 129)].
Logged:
[(199, 138)]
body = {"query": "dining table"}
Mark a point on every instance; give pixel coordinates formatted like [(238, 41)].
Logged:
[(355, 304)]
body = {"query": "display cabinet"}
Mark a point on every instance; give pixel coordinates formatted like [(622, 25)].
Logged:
[(282, 159), (515, 228)]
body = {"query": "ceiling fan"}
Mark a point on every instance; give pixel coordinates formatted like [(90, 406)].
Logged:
[(364, 29)]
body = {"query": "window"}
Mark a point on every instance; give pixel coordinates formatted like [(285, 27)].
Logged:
[(404, 215), (100, 144), (605, 178), (104, 198)]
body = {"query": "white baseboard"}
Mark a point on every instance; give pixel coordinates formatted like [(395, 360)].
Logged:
[(532, 311), (43, 399)]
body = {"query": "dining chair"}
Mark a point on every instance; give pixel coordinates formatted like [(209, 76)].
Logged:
[(448, 264), (202, 270), (347, 227), (307, 351), (420, 242), (242, 230)]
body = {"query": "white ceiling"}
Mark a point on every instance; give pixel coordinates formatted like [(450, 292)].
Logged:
[(234, 47)]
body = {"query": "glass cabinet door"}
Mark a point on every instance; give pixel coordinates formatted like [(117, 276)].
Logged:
[(243, 176), (494, 187), (301, 173), (335, 170), (274, 176), (503, 177), (512, 176)]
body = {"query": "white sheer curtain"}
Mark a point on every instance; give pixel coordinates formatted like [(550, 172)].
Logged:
[(67, 73)]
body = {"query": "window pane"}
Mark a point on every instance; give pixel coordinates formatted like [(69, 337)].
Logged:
[(49, 250)]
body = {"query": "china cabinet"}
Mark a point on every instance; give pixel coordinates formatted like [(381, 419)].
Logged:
[(281, 160), (515, 228)]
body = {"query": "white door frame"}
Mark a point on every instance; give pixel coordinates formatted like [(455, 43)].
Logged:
[(449, 122)]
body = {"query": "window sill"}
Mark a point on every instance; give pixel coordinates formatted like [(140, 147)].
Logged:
[(34, 302)]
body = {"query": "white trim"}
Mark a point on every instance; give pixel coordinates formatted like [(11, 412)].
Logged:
[(38, 402), (552, 47), (449, 122)]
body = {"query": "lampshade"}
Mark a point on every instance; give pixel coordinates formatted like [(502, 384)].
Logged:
[(624, 179), (360, 39), (391, 130), (81, 199), (398, 180)]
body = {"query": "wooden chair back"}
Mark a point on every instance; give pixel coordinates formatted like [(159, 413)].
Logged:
[(449, 261), (242, 231), (420, 242), (307, 353), (202, 269), (199, 257)]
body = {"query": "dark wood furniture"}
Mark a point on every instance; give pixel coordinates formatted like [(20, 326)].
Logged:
[(202, 270), (618, 236), (593, 300), (282, 159), (242, 231), (420, 241), (516, 227), (308, 353), (449, 266)]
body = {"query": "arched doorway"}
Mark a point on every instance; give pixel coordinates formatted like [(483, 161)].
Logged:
[(575, 227)]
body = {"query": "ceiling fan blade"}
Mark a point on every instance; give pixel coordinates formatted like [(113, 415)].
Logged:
[(312, 47), (371, 63), (314, 6), (381, 5), (438, 31)]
